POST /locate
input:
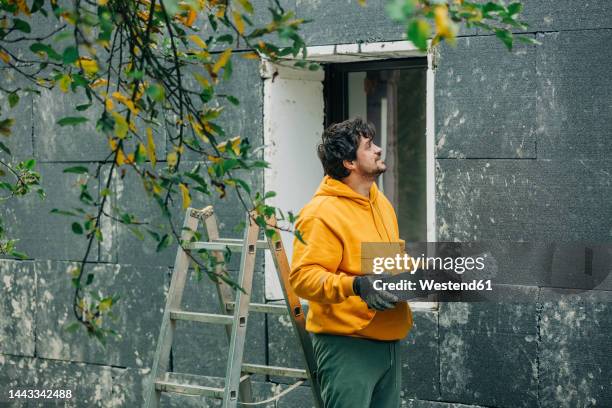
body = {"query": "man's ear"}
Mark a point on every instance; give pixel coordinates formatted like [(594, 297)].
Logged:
[(349, 165)]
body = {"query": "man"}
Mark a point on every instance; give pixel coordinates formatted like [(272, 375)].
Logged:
[(356, 329)]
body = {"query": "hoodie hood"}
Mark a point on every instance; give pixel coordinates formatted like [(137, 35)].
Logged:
[(335, 188)]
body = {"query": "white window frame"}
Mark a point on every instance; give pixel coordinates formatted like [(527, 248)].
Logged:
[(351, 53)]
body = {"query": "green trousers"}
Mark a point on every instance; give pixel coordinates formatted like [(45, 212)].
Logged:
[(358, 373)]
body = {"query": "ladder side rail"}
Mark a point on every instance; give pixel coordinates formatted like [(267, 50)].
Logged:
[(241, 312), (294, 307), (173, 302), (225, 294)]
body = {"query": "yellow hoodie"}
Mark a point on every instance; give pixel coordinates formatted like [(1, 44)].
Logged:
[(334, 224)]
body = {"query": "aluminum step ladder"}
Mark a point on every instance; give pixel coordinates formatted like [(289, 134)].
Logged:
[(235, 307)]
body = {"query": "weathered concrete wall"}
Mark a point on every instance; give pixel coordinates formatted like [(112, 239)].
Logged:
[(523, 153)]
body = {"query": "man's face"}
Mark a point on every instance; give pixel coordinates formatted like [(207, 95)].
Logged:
[(369, 161)]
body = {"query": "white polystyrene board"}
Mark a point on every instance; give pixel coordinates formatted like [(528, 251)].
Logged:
[(293, 123)]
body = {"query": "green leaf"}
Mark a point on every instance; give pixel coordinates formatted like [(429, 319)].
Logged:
[(63, 212), (163, 243), (212, 21), (228, 70), (19, 255), (90, 278), (72, 327), (156, 92), (492, 7), (228, 38), (398, 10), (5, 148), (21, 25), (299, 236), (36, 6), (515, 8), (418, 32), (505, 36), (136, 232), (45, 49), (72, 120), (83, 107), (70, 55), (243, 184), (13, 99), (77, 228), (206, 94), (76, 170), (528, 40), (171, 7), (233, 100), (29, 164), (261, 164)]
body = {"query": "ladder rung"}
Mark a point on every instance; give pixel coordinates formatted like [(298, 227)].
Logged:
[(262, 308), (188, 389), (235, 245), (274, 370), (201, 317)]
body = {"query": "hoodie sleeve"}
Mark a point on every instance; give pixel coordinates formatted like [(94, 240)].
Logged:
[(314, 269)]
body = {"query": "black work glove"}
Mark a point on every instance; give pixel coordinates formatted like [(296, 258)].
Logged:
[(380, 300)]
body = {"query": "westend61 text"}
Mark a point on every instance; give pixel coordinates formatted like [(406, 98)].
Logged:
[(431, 285)]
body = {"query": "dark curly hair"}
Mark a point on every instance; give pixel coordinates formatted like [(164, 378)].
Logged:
[(340, 142)]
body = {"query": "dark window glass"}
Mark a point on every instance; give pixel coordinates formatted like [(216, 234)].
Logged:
[(391, 95)]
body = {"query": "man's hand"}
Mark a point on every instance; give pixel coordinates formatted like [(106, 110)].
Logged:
[(375, 299)]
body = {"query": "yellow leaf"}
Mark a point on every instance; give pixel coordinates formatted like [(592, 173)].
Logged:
[(172, 159), (220, 12), (444, 25), (201, 80), (99, 82), (197, 128), (120, 158), (223, 59), (64, 82), (121, 125), (185, 195), (250, 55), (108, 103), (235, 141), (191, 16), (199, 42), (246, 4), (214, 159), (151, 147), (88, 65), (112, 142), (238, 21), (74, 272), (126, 101), (105, 304), (102, 2), (23, 7), (5, 57)]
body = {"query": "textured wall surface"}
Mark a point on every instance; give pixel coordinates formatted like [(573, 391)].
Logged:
[(523, 152)]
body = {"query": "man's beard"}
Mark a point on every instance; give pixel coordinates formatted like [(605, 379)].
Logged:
[(375, 173)]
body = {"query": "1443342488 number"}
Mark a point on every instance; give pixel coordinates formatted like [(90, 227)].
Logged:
[(36, 394)]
